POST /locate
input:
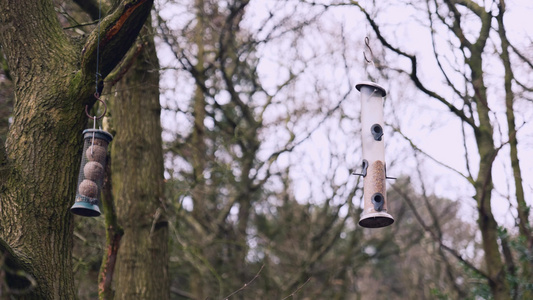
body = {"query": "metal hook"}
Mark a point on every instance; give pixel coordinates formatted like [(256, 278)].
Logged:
[(367, 44), (97, 96)]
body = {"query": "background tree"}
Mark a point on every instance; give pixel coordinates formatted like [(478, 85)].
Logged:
[(237, 140), (464, 54), (225, 171), (137, 176)]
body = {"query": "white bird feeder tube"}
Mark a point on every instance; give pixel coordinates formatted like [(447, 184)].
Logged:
[(374, 186)]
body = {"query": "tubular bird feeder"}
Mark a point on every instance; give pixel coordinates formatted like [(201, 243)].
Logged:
[(92, 170), (374, 186)]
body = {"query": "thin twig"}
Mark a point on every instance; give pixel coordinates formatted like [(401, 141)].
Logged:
[(81, 25), (416, 148), (298, 289), (246, 284)]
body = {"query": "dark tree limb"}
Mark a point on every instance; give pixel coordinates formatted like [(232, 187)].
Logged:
[(17, 277), (526, 60), (125, 65), (456, 26), (118, 31)]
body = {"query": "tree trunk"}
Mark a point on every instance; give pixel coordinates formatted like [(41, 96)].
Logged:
[(43, 151), (483, 185), (524, 226), (39, 165), (199, 148), (138, 182)]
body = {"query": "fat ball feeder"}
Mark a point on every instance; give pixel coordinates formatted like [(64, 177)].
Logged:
[(91, 176), (374, 213)]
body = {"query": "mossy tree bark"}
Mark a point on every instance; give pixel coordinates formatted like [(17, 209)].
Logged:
[(53, 77), (137, 176)]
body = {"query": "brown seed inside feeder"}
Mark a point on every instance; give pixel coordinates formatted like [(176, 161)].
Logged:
[(88, 188), (93, 170), (96, 153)]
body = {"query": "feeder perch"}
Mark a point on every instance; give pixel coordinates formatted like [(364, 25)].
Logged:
[(374, 186), (92, 172)]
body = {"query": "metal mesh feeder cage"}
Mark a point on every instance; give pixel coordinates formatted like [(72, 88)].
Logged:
[(374, 184), (92, 170)]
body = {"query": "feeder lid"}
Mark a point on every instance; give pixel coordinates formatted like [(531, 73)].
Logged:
[(371, 84), (98, 134)]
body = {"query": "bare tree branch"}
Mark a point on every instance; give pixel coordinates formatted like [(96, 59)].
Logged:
[(437, 57), (467, 160), (246, 284), (297, 290), (413, 74), (434, 236), (467, 177)]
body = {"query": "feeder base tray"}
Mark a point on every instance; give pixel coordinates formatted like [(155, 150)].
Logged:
[(376, 220)]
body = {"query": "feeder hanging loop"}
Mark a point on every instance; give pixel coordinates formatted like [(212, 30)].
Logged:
[(367, 44), (97, 96)]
